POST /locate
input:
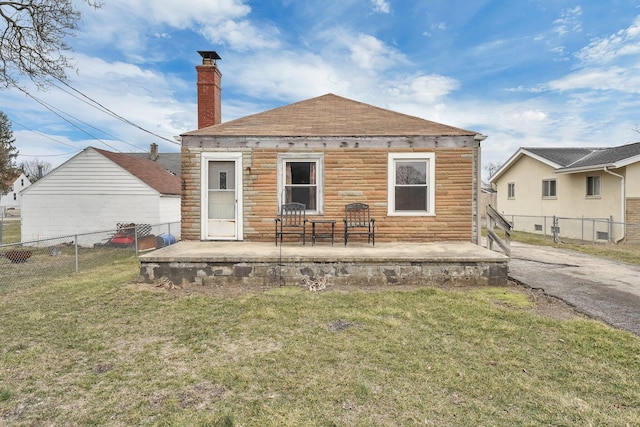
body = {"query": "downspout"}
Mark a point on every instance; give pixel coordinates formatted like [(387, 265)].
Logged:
[(623, 202), (476, 190)]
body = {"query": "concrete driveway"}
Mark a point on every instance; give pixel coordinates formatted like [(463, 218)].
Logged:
[(605, 290)]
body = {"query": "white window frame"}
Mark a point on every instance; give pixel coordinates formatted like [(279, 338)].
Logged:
[(430, 159), (546, 186), (318, 158), (594, 195), (511, 190)]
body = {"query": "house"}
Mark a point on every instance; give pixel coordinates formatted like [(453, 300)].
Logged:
[(592, 183), (96, 190), (420, 178), (12, 199)]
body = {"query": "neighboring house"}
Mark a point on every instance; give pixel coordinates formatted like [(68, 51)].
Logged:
[(421, 179), (599, 183), (96, 190), (12, 199)]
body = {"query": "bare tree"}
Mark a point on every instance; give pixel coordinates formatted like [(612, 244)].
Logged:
[(8, 154), (35, 169), (32, 39), (492, 167)]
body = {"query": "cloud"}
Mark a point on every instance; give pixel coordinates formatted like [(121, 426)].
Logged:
[(602, 79), (569, 21), (604, 50), (241, 35), (381, 6), (134, 25)]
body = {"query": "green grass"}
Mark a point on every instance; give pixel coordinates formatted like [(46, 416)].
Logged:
[(96, 349), (10, 232), (625, 252)]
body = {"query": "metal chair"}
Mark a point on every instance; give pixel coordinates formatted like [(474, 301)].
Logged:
[(358, 221), (292, 221)]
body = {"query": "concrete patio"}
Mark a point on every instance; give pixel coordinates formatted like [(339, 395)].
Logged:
[(263, 264)]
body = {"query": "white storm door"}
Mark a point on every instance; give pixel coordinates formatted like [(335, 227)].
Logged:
[(221, 194)]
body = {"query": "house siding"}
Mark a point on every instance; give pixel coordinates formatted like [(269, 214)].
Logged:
[(89, 193), (570, 202), (350, 175)]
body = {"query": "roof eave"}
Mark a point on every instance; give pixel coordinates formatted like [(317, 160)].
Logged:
[(590, 168)]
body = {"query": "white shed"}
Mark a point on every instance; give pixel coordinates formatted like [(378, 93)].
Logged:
[(96, 190)]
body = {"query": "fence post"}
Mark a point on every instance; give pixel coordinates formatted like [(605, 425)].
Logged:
[(555, 230), (75, 241), (610, 236), (593, 231), (135, 238), (544, 226)]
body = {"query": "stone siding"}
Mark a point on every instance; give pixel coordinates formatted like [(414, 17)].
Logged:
[(271, 274), (350, 175)]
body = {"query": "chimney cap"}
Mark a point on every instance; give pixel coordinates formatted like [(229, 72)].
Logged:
[(209, 54)]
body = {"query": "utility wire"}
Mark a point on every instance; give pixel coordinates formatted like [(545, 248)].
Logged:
[(96, 104), (42, 134), (52, 109)]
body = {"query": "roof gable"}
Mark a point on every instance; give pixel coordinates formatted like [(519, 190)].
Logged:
[(330, 115), (148, 171)]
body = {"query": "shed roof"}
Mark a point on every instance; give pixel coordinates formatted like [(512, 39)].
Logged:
[(148, 171), (330, 115), (169, 161)]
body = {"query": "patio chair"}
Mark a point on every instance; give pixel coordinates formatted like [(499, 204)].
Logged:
[(357, 221), (292, 221)]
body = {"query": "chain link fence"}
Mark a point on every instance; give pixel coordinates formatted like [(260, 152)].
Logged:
[(584, 230), (31, 262)]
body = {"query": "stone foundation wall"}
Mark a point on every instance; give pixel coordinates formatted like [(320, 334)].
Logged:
[(361, 274)]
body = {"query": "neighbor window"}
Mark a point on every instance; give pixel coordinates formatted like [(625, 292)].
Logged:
[(548, 188), (300, 180), (411, 179), (511, 190), (593, 185)]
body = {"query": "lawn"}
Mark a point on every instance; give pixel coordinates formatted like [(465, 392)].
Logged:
[(99, 349)]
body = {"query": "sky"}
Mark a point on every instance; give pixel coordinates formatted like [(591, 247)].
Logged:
[(526, 73)]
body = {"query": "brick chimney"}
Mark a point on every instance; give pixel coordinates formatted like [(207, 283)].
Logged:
[(209, 77)]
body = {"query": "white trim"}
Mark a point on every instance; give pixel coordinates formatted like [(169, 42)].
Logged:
[(318, 158), (430, 158), (205, 158)]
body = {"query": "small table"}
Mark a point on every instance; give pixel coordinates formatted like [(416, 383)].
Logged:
[(324, 235)]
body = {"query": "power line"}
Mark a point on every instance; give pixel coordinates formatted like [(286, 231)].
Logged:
[(52, 109), (42, 134), (110, 112)]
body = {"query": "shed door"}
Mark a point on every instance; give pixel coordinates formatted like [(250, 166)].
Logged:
[(221, 197)]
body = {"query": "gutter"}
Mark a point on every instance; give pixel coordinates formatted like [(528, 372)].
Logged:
[(622, 202)]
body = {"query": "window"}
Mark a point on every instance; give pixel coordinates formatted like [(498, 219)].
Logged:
[(411, 179), (593, 186), (548, 188), (511, 190), (300, 180)]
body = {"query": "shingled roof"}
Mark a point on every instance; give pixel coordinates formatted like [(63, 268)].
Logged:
[(580, 159), (148, 171), (330, 115), (606, 157)]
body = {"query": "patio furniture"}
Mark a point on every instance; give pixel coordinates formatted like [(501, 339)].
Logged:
[(358, 221), (325, 233), (292, 221)]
